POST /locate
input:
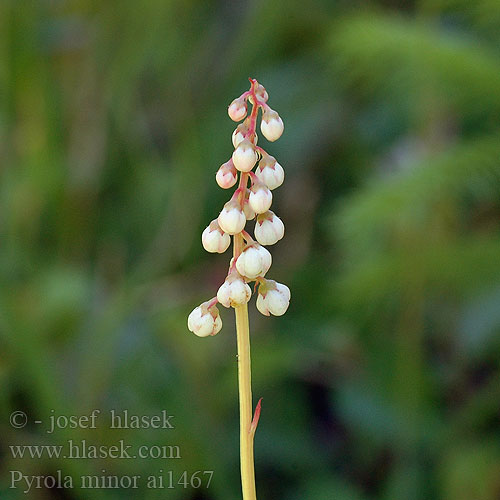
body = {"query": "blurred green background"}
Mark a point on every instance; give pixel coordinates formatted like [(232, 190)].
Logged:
[(382, 380)]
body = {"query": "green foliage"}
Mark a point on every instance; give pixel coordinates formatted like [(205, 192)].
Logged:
[(418, 56)]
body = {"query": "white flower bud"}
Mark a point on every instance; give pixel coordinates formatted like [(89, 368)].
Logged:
[(270, 172), (247, 209), (244, 156), (261, 93), (260, 198), (238, 135), (273, 298), (227, 175), (269, 228), (232, 220), (254, 261), (234, 291), (237, 109), (204, 321), (214, 239), (271, 125)]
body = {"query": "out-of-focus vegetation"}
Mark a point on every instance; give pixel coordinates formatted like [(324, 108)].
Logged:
[(382, 380)]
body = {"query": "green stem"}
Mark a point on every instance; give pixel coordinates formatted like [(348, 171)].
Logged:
[(245, 394)]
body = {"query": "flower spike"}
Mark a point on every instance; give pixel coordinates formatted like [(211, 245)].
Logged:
[(252, 199)]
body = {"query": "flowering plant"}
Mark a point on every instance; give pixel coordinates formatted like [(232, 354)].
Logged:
[(251, 260)]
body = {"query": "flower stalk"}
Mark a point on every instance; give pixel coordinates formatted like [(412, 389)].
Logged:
[(251, 261), (245, 403)]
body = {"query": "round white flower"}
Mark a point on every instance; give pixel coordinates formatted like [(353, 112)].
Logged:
[(261, 93), (227, 175), (244, 156), (254, 261), (237, 110), (232, 220), (234, 292), (214, 239), (269, 228), (270, 172), (271, 126), (260, 198), (238, 136), (275, 298), (204, 322)]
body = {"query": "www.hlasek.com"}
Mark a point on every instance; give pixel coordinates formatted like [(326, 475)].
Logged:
[(83, 450)]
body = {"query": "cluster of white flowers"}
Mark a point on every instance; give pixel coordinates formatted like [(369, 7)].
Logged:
[(251, 260)]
